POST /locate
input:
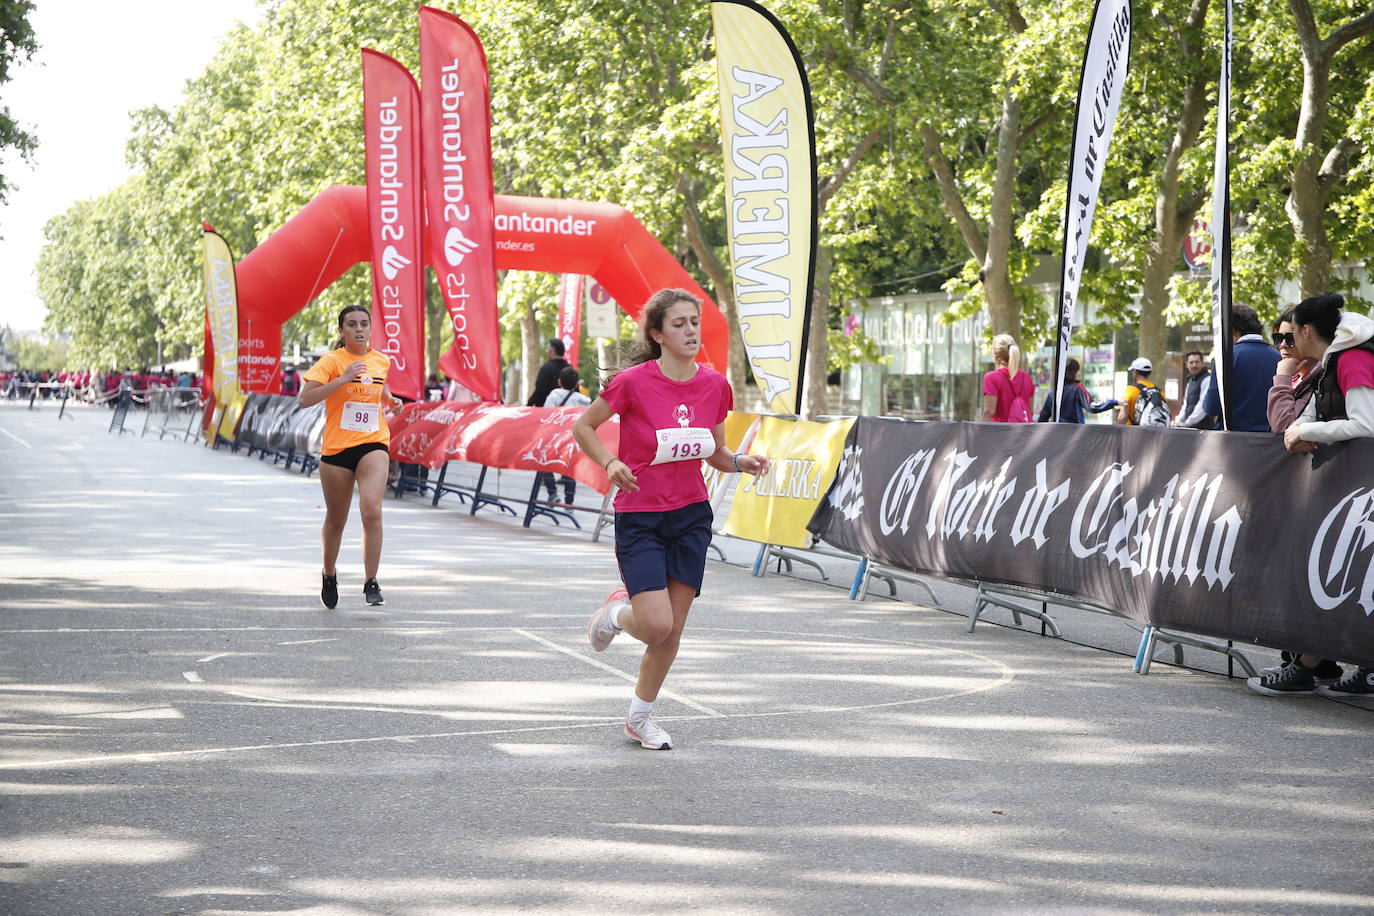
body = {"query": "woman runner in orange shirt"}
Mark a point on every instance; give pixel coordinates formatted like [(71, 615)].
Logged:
[(352, 383)]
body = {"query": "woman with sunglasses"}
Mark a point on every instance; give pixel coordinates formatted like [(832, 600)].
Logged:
[(1295, 377)]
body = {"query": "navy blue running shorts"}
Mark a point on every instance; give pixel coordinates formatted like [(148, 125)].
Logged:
[(651, 547)]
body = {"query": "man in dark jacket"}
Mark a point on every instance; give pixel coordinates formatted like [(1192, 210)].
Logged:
[(1253, 362), (547, 379)]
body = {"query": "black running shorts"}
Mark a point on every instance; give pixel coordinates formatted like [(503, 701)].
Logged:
[(349, 457)]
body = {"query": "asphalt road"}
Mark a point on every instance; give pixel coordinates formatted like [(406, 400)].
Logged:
[(183, 730)]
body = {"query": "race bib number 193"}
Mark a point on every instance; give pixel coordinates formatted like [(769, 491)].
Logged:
[(690, 443)]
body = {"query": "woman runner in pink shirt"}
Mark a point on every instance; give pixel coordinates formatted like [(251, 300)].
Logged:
[(672, 415)]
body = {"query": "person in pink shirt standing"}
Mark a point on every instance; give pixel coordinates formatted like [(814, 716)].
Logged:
[(1007, 390), (672, 414)]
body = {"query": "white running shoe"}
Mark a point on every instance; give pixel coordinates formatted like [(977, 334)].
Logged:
[(601, 628), (646, 731)]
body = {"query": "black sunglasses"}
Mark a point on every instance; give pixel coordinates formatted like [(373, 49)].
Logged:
[(1284, 340)]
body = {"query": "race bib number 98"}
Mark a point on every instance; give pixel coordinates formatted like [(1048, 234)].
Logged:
[(360, 417), (690, 443)]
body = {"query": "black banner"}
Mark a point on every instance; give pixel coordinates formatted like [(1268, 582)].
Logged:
[(1221, 534)]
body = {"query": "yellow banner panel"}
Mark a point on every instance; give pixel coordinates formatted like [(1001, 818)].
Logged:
[(739, 433), (774, 508), (233, 412), (222, 309)]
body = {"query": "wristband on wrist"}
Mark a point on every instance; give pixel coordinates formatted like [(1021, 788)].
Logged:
[(735, 459), (607, 465)]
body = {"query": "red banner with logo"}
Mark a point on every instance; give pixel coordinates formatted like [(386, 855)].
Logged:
[(499, 436), (391, 127), (570, 315), (460, 196)]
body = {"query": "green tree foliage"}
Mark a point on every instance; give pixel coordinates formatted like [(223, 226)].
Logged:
[(942, 128), (95, 285), (1303, 162), (17, 44), (37, 353)]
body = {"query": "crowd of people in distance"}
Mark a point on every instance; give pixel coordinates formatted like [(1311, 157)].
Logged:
[(1311, 382), (46, 383), (93, 385)]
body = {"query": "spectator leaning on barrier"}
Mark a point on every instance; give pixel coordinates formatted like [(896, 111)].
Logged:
[(1007, 390), (1341, 408), (1143, 405), (1075, 399), (547, 379), (1295, 379), (1252, 374)]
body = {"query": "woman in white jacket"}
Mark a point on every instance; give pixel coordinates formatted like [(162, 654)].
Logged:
[(1341, 408)]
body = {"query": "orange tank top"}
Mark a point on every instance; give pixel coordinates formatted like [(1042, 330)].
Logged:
[(353, 413)]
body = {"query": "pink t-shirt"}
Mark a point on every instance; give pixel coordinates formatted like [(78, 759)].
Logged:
[(1355, 370), (657, 415), (1000, 385)]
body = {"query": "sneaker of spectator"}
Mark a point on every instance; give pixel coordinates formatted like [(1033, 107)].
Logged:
[(1326, 671), (1292, 680), (1357, 685)]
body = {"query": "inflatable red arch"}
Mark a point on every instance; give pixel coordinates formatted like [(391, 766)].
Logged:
[(330, 234)]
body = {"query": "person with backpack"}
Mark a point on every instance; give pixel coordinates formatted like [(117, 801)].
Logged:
[(290, 381), (1075, 400), (1007, 389), (1143, 404)]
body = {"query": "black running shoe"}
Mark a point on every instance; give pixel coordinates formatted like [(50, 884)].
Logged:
[(1326, 672), (1357, 685), (329, 591), (373, 593), (1292, 680)]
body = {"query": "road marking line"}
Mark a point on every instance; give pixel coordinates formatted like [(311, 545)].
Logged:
[(192, 677), (14, 437), (306, 642), (152, 756), (616, 671), (211, 658)]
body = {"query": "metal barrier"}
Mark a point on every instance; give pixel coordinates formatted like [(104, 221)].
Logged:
[(1012, 598), (411, 478), (171, 410), (124, 399), (31, 394)]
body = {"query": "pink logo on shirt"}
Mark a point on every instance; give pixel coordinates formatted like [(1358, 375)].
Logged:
[(683, 414)]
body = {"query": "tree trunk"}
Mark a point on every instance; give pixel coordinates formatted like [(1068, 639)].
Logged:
[(1315, 175), (531, 351), (1306, 205), (817, 349), (435, 315), (1003, 308)]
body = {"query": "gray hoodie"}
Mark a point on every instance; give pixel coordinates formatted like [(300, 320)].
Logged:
[(1354, 329)]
